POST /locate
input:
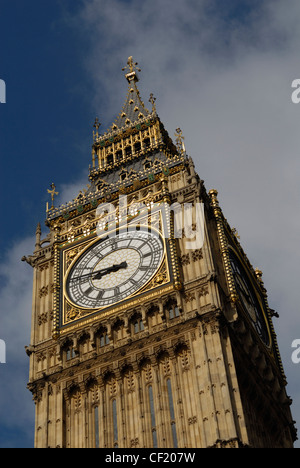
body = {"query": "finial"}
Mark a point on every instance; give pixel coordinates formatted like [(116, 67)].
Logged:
[(213, 193), (235, 233), (259, 274), (94, 158), (131, 67), (152, 99), (180, 141), (38, 229), (97, 125), (38, 233), (52, 193)]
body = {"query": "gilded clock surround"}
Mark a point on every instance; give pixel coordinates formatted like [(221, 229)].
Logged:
[(72, 312), (109, 378), (72, 248)]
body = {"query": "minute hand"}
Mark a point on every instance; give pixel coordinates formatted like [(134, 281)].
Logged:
[(100, 273)]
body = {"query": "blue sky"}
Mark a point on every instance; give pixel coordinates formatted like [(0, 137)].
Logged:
[(222, 71)]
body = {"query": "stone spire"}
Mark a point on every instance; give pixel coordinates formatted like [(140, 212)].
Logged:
[(134, 109)]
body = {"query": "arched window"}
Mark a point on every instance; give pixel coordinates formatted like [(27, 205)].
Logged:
[(101, 337), (115, 423), (128, 150), (147, 142), (119, 155), (137, 147), (136, 323), (152, 412), (70, 353), (96, 417), (172, 414), (138, 326), (173, 311), (110, 159), (83, 343), (104, 340), (117, 329)]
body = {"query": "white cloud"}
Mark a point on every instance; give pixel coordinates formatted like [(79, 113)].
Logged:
[(16, 406), (69, 191)]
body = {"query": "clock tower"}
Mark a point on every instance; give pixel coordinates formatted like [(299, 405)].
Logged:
[(150, 327)]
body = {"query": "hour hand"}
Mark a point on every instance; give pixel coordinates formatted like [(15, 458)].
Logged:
[(99, 274), (111, 269)]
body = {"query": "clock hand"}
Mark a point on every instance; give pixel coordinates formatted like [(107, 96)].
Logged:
[(100, 273), (109, 270), (82, 276)]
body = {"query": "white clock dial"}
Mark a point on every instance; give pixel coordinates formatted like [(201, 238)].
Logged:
[(113, 269)]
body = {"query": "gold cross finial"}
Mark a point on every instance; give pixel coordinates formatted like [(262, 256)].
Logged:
[(180, 141), (97, 125), (131, 65), (132, 68), (52, 192)]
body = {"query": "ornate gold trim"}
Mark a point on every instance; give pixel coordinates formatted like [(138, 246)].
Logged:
[(172, 241), (115, 310), (223, 245), (72, 252), (161, 278)]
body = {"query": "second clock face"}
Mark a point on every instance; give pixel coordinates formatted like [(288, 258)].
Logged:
[(249, 298), (115, 268)]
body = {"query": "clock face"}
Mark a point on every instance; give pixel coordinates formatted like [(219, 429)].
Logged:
[(113, 269), (249, 298)]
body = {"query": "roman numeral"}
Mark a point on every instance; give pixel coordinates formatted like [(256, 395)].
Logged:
[(135, 283), (100, 295), (147, 268), (147, 254), (88, 291)]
